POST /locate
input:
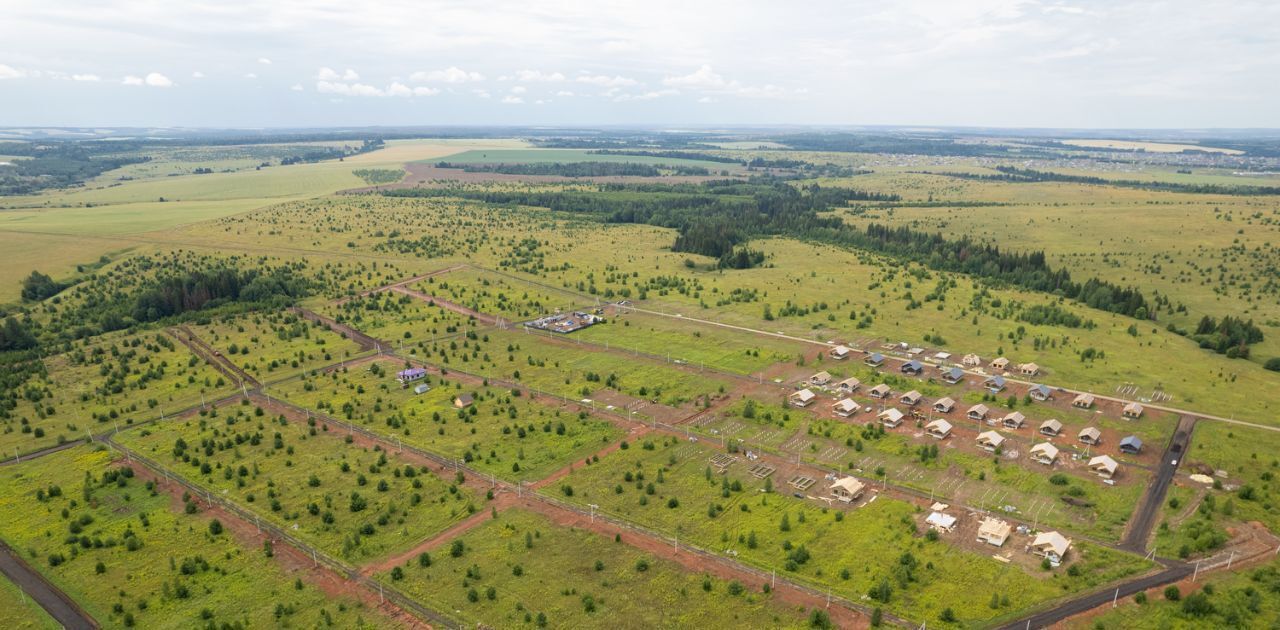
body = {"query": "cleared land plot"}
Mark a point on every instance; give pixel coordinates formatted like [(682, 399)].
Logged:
[(1251, 459), (353, 503), (520, 568), (668, 485), (526, 156), (494, 294), (510, 436), (576, 372), (130, 559), (113, 381), (398, 319), (275, 344)]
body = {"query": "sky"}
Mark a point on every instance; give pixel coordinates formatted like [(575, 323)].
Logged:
[(313, 63)]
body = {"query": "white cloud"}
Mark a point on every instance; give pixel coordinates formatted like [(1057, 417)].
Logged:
[(329, 74), (705, 79), (264, 61), (604, 80), (482, 93), (396, 89), (512, 100), (132, 80), (10, 72), (251, 75), (538, 76), (706, 99), (296, 87), (452, 74), (197, 75), (519, 89), (85, 77), (645, 96), (564, 93), (155, 79)]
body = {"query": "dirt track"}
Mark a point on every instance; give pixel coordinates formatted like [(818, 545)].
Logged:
[(54, 601)]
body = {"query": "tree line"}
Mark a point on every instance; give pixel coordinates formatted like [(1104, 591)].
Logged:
[(579, 169), (1014, 174)]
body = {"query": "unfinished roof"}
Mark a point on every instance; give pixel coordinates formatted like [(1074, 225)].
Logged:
[(1051, 542), (990, 439), (1133, 410), (1029, 368), (994, 531), (1000, 363)]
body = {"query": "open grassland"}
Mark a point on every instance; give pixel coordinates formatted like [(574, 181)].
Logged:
[(129, 559), (813, 291), (669, 485), (349, 501), (507, 435), (499, 295), (520, 570), (19, 612), (574, 372), (1229, 600), (114, 380), (1251, 459), (1154, 147), (400, 320)]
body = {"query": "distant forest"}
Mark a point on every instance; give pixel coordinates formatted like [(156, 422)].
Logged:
[(580, 169), (58, 165), (1025, 175), (717, 218)]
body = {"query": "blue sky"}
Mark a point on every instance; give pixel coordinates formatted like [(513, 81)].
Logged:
[(915, 62)]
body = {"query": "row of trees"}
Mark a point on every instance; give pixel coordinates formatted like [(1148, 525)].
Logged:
[(1026, 175)]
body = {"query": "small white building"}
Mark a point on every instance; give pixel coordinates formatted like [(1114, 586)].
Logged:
[(1050, 428), (820, 379), (944, 405), (840, 353), (1104, 466), (845, 408), (1133, 411), (1083, 401), (1045, 453), (978, 412), (938, 429), (880, 391), (911, 398), (972, 360), (890, 417), (1029, 369), (1091, 435), (1013, 420), (849, 385), (803, 398), (1051, 545), (990, 440), (847, 489), (941, 521)]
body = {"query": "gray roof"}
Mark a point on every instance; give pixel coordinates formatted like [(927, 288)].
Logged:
[(1132, 441)]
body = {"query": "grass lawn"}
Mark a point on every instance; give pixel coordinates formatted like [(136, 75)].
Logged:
[(20, 612), (353, 503), (521, 568), (510, 436), (673, 489), (128, 558)]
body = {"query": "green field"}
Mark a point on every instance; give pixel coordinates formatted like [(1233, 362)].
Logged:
[(132, 559), (525, 156), (1233, 600), (524, 568), (502, 434), (354, 503)]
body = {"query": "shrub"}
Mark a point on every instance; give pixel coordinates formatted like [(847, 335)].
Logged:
[(1172, 593)]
